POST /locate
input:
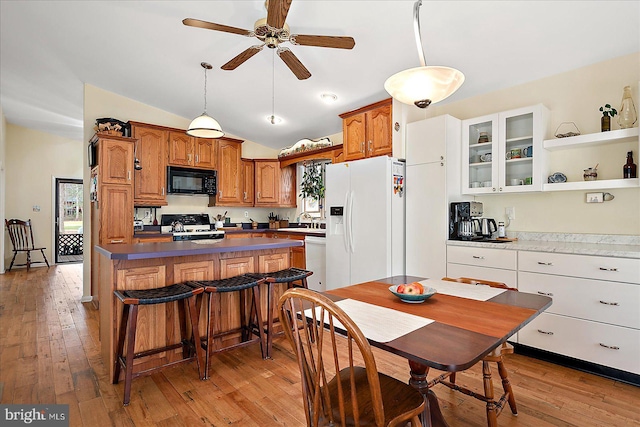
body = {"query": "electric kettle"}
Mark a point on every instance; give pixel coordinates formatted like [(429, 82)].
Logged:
[(488, 227)]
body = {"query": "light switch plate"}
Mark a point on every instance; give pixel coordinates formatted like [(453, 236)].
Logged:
[(595, 197)]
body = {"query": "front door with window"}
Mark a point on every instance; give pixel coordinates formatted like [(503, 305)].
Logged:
[(68, 221)]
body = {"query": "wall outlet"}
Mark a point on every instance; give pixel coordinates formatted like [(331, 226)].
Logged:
[(246, 214), (595, 198), (510, 212)]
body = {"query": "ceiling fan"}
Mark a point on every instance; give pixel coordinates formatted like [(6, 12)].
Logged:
[(273, 31)]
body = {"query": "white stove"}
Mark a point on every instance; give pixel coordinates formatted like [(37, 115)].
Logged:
[(192, 227)]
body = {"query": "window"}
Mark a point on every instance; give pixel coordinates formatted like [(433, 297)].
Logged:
[(312, 186)]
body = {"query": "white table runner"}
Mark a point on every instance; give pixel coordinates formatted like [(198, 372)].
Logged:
[(463, 290), (377, 323)]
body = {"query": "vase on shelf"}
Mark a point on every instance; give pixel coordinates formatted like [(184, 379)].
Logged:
[(627, 116), (605, 123)]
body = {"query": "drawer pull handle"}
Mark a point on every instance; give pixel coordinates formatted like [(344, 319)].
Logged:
[(611, 347), (545, 263), (117, 241), (608, 269), (478, 257), (608, 303), (545, 332), (548, 294)]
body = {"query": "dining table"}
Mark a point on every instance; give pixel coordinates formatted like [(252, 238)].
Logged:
[(450, 331)]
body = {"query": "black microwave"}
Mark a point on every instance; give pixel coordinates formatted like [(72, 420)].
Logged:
[(191, 181)]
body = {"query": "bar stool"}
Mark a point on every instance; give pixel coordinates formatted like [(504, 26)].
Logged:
[(134, 298), (232, 284), (289, 276)]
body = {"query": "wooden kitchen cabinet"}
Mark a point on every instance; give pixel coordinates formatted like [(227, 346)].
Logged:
[(150, 149), (231, 267), (274, 186), (298, 257), (186, 271), (188, 151), (115, 214), (115, 160), (229, 173), (367, 131), (248, 182), (273, 262)]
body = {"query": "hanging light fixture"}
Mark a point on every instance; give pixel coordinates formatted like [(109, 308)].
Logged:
[(205, 126), (425, 85), (273, 119)]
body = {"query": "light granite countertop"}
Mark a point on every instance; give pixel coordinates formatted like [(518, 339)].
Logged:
[(581, 244)]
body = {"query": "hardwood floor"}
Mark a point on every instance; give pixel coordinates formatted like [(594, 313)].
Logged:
[(49, 353)]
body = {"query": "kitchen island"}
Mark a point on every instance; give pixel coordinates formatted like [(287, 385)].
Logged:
[(154, 265)]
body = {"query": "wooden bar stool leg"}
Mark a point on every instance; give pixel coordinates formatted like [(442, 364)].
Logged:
[(131, 344), (209, 335), (506, 385), (492, 417), (258, 319), (270, 305), (243, 316), (193, 311), (121, 337), (183, 327)]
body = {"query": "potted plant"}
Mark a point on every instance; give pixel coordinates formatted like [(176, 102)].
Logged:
[(312, 185), (605, 120)]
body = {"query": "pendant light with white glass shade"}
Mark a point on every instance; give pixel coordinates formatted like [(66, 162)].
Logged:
[(425, 85), (205, 126)]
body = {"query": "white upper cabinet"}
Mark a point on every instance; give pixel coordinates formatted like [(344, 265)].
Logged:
[(502, 153)]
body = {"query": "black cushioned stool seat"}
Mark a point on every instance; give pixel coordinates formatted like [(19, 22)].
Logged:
[(289, 276), (232, 284), (131, 299)]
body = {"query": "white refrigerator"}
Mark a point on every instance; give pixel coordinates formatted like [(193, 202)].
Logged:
[(365, 205)]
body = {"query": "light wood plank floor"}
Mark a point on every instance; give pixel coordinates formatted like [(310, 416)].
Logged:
[(49, 353)]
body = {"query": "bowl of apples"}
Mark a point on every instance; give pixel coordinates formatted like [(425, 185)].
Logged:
[(412, 292)]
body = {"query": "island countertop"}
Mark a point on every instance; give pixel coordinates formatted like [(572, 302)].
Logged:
[(186, 248)]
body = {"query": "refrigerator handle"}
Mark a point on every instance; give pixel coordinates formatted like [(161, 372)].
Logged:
[(345, 230), (350, 219)]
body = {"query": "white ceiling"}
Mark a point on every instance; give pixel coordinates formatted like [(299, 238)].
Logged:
[(141, 49)]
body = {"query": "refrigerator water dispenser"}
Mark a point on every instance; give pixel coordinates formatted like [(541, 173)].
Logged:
[(336, 220)]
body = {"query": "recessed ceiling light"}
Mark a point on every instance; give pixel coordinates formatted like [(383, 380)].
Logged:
[(329, 97), (274, 120)]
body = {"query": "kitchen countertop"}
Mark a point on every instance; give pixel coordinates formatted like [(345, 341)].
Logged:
[(320, 232), (185, 248), (599, 245)]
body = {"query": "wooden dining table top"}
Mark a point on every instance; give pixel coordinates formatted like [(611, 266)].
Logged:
[(463, 330)]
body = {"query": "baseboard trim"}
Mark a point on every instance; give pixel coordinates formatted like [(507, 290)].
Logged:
[(580, 365)]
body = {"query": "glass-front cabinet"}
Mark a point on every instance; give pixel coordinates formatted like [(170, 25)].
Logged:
[(502, 152)]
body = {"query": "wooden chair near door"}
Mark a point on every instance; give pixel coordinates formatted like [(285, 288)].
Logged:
[(21, 236), (494, 407), (340, 381)]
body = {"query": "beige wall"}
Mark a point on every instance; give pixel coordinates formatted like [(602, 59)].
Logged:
[(574, 96), (3, 126), (33, 160)]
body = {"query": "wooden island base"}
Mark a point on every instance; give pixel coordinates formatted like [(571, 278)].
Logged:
[(128, 267)]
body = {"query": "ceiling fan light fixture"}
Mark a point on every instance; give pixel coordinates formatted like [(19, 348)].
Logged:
[(205, 126), (425, 85)]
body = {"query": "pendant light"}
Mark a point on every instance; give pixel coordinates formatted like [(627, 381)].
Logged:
[(273, 119), (425, 85), (205, 126)]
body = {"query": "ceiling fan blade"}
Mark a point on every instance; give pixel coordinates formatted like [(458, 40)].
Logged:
[(242, 57), (217, 27), (293, 63), (277, 11), (337, 42)]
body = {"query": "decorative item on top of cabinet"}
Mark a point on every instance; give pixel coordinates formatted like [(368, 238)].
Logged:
[(185, 150), (498, 163), (150, 180), (367, 131)]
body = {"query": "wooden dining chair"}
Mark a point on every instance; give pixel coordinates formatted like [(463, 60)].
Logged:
[(494, 407), (21, 236), (341, 385)]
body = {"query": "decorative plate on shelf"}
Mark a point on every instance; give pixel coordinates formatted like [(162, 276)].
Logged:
[(557, 177), (414, 298)]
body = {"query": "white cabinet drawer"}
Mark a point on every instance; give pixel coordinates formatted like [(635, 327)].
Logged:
[(607, 345), (610, 302), (507, 277), (591, 267), (482, 257)]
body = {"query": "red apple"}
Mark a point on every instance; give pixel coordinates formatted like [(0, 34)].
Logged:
[(400, 289), (411, 289)]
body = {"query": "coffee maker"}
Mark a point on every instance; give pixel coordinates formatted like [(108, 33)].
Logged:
[(464, 223)]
